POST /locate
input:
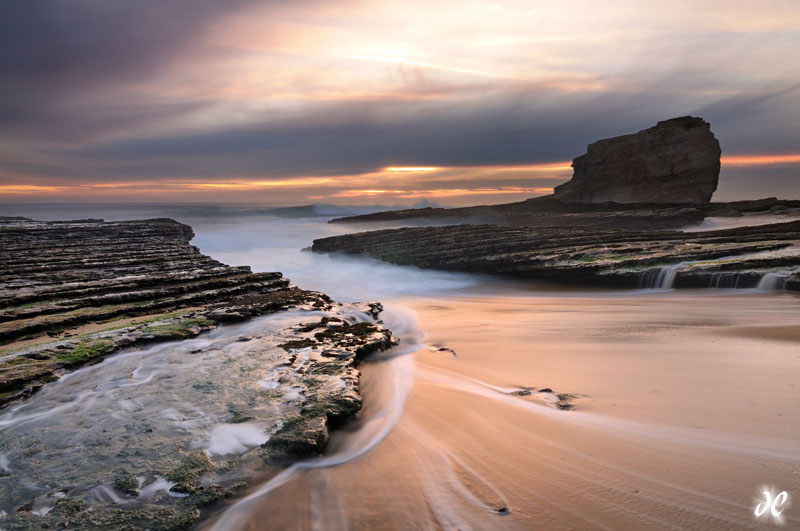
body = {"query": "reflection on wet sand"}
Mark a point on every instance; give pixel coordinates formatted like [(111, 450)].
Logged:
[(686, 407)]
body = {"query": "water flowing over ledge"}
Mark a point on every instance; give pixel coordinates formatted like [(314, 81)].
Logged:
[(659, 259), (696, 273)]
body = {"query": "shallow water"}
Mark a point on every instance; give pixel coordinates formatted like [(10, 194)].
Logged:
[(133, 409), (686, 402)]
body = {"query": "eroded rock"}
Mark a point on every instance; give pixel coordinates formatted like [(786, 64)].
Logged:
[(598, 256), (676, 161), (156, 434), (75, 292)]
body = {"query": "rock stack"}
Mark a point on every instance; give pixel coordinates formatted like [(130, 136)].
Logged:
[(677, 161)]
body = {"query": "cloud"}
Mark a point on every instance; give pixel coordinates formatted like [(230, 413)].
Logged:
[(94, 91), (61, 60), (352, 137)]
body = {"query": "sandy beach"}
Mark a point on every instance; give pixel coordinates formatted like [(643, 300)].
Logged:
[(685, 411)]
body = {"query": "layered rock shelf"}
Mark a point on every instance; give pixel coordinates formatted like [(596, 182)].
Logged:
[(73, 293), (548, 211), (609, 256)]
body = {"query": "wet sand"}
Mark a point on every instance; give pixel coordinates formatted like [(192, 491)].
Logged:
[(687, 407)]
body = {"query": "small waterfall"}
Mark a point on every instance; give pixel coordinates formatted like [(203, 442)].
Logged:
[(666, 276), (728, 279), (773, 281)]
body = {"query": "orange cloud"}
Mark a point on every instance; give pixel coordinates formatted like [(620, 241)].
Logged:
[(155, 187), (24, 189), (440, 193), (280, 183), (538, 167), (760, 160), (403, 169), (400, 182)]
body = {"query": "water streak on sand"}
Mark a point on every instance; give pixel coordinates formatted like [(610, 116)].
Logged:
[(398, 370), (664, 435)]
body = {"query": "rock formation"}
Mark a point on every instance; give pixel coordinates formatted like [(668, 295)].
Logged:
[(75, 292), (677, 161), (547, 211), (610, 256)]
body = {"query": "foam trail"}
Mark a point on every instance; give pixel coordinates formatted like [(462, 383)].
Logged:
[(237, 514), (235, 438), (11, 420), (158, 484), (398, 375)]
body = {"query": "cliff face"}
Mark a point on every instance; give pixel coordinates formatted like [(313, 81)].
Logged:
[(677, 161)]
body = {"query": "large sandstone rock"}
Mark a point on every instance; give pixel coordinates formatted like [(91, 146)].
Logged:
[(677, 161)]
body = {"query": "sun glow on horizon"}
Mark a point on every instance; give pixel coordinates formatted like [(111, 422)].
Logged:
[(441, 193), (402, 182), (760, 160), (408, 169)]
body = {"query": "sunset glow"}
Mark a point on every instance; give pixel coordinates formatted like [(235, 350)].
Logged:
[(399, 264), (407, 182), (760, 160), (411, 169), (282, 102), (435, 194)]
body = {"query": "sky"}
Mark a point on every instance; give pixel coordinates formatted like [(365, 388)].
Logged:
[(389, 102)]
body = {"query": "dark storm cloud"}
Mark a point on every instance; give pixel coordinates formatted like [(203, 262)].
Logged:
[(59, 57), (763, 121), (68, 122), (358, 137), (509, 128)]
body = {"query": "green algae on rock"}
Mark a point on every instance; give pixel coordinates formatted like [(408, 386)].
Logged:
[(135, 471)]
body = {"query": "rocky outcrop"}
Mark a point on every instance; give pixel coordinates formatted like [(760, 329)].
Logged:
[(62, 282), (610, 256), (74, 292), (291, 386), (124, 458), (547, 211), (677, 161)]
